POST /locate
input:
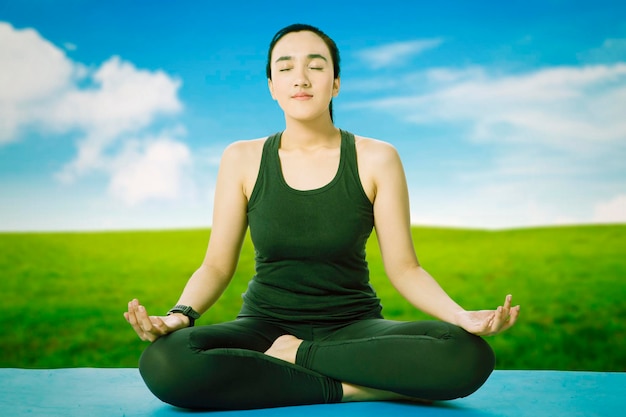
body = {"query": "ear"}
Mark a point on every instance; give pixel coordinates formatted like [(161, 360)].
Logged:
[(270, 86), (336, 86)]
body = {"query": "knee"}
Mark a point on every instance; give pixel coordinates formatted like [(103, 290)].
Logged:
[(167, 366), (158, 370), (475, 363)]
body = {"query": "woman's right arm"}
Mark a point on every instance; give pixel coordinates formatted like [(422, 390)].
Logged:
[(210, 280)]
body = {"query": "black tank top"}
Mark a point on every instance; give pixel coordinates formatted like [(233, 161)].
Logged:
[(310, 245)]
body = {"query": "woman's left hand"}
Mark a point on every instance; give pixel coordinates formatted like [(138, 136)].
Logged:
[(488, 322)]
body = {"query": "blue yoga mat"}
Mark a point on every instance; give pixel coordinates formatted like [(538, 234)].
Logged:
[(89, 392)]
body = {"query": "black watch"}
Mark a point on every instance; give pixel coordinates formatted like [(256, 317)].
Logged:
[(187, 311)]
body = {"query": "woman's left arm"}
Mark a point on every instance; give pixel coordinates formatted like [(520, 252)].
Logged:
[(393, 228)]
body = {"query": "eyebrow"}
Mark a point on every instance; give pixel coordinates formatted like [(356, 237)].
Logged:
[(309, 56)]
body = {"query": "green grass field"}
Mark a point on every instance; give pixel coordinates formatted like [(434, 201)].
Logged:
[(63, 294)]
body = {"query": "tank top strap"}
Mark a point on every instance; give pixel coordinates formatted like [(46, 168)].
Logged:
[(348, 149), (270, 152)]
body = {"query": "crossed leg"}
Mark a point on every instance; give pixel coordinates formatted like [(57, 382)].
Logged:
[(250, 363), (382, 360)]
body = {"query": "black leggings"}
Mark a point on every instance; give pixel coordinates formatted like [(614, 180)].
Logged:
[(223, 367)]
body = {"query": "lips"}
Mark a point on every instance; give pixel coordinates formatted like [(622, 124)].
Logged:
[(301, 96)]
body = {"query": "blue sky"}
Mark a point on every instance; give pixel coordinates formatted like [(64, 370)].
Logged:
[(113, 115)]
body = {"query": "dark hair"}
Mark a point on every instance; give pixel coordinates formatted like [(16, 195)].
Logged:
[(300, 27)]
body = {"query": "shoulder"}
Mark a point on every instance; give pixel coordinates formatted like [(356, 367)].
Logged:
[(378, 164), (241, 161), (375, 152), (242, 154), (243, 150)]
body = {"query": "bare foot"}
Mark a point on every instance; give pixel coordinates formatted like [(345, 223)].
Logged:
[(285, 348), (358, 393)]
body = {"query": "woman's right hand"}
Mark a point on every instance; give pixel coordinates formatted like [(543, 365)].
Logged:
[(150, 328)]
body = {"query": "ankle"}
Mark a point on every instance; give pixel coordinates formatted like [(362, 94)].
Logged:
[(358, 393), (285, 348)]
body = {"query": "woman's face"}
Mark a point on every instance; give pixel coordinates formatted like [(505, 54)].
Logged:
[(302, 80)]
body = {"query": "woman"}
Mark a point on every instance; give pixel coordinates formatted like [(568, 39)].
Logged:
[(310, 329)]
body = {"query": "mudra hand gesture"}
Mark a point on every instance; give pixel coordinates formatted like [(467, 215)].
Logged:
[(150, 328), (489, 322)]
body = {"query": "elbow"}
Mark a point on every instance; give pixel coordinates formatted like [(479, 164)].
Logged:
[(208, 270), (400, 273)]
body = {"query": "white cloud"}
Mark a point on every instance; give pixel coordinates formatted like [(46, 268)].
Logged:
[(150, 170), (574, 108), (397, 52), (110, 107), (611, 211), (33, 72), (125, 100)]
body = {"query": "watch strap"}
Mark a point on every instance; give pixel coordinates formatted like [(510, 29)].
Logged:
[(187, 311)]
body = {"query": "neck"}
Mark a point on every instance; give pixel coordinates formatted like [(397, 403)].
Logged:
[(308, 134)]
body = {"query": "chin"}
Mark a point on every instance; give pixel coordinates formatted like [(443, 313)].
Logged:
[(306, 116)]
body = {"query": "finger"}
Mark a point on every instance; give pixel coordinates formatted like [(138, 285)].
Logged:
[(507, 305), (512, 318), (159, 325), (153, 327), (513, 315), (504, 311), (131, 315), (134, 318), (498, 321), (132, 308), (158, 329), (133, 304), (144, 320)]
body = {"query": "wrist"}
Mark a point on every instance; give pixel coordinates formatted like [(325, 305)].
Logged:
[(190, 315), (456, 317), (184, 319)]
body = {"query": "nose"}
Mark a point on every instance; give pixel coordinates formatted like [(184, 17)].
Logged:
[(301, 79)]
